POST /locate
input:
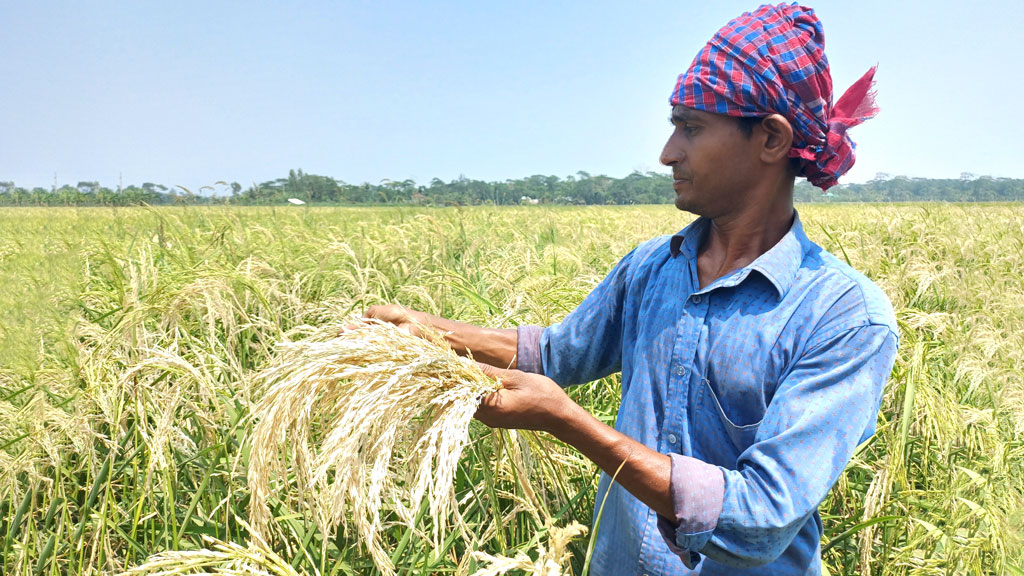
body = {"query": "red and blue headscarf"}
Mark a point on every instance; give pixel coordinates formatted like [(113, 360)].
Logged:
[(773, 61)]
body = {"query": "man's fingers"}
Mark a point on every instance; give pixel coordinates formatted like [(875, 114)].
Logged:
[(485, 410), (392, 313), (492, 399), (355, 324), (496, 373), (381, 313), (488, 369)]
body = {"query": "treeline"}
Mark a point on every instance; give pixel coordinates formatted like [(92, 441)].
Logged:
[(883, 188), (581, 188)]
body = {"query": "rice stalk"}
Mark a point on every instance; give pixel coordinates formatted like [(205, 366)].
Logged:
[(86, 297), (372, 420), (228, 558), (552, 560)]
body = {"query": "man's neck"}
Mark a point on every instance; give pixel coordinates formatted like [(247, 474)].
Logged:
[(735, 240)]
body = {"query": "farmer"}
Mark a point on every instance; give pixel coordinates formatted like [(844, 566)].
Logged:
[(752, 361)]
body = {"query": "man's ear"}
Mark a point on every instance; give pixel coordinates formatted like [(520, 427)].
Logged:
[(778, 138)]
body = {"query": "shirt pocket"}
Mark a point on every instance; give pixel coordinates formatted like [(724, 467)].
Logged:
[(740, 429)]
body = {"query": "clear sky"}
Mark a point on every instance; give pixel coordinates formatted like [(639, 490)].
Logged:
[(194, 92)]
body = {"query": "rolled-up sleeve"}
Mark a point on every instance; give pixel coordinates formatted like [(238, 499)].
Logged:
[(528, 349), (821, 411), (697, 492)]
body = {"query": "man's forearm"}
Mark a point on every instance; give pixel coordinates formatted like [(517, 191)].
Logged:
[(646, 474), (490, 346), (493, 346)]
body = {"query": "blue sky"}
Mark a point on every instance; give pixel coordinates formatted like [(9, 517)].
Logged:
[(194, 92)]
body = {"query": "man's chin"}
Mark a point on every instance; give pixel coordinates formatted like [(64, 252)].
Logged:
[(685, 204)]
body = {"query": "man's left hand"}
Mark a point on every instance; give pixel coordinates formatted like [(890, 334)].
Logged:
[(525, 402)]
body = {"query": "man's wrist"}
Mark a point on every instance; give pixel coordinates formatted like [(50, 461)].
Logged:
[(568, 420)]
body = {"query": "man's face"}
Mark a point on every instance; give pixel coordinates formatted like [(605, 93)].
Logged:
[(714, 164)]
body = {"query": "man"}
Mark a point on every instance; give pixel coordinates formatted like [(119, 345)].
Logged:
[(753, 362)]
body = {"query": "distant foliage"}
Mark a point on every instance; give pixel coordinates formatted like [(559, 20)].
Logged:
[(580, 189), (883, 188)]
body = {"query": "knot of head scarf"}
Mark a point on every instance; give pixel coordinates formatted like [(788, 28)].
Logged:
[(773, 61)]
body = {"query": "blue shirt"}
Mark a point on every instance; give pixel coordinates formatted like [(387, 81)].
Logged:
[(768, 378)]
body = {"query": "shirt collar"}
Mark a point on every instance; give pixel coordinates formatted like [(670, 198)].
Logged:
[(688, 240), (778, 265)]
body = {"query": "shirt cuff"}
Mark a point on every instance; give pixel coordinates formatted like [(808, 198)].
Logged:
[(528, 349), (698, 490)]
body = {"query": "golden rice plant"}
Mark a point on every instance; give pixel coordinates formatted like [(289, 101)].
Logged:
[(370, 420), (259, 559), (228, 558), (551, 559), (129, 339)]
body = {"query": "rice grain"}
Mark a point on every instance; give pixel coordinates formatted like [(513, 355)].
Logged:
[(373, 420)]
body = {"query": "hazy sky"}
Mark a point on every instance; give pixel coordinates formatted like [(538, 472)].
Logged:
[(194, 92)]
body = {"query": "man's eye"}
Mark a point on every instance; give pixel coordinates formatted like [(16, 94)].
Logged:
[(687, 129)]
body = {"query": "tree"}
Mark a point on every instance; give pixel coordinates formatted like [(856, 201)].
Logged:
[(88, 187)]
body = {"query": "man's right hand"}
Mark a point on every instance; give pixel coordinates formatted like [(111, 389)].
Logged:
[(405, 318), (492, 346)]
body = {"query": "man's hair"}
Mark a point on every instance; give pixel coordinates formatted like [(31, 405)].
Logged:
[(747, 123)]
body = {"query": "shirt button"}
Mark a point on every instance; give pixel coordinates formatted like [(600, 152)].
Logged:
[(696, 299), (680, 370), (672, 439)]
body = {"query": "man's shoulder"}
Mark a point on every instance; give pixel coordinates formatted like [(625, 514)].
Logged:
[(858, 299), (649, 253), (658, 244)]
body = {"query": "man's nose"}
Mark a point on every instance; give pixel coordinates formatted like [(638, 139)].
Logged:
[(671, 154)]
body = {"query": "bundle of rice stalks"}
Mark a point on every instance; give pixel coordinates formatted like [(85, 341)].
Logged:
[(551, 559), (225, 558), (374, 416)]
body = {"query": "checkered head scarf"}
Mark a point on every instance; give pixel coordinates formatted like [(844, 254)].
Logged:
[(773, 61)]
